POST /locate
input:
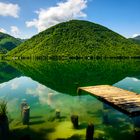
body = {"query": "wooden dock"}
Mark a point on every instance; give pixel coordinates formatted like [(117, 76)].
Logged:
[(125, 101)]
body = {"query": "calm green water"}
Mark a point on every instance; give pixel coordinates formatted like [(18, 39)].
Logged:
[(51, 85)]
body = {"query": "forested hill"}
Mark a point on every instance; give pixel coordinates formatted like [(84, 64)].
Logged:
[(7, 43), (136, 39), (77, 38)]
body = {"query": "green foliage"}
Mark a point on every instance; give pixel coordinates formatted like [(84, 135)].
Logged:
[(136, 40), (137, 37), (77, 39), (7, 43)]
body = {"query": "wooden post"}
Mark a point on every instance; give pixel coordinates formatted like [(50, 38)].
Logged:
[(90, 131), (26, 114), (79, 91), (23, 104), (57, 113), (4, 127), (74, 120)]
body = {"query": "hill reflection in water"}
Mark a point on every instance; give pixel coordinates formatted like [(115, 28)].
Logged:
[(65, 76)]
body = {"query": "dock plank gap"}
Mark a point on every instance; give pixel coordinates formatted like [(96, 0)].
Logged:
[(123, 100)]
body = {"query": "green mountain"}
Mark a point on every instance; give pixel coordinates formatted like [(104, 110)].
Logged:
[(7, 43), (136, 39), (22, 40), (77, 39)]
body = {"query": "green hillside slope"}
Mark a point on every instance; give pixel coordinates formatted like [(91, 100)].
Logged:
[(7, 43), (136, 39), (77, 39)]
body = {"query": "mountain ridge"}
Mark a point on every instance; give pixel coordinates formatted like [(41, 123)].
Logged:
[(136, 39), (7, 43), (77, 38)]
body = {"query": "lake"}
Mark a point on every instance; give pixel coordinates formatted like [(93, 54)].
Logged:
[(48, 86)]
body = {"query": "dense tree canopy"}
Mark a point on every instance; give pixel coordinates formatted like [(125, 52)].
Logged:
[(7, 43), (77, 39), (136, 39)]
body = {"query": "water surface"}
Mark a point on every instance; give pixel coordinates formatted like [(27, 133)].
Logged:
[(51, 85)]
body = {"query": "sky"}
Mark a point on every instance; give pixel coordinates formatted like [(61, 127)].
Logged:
[(25, 18)]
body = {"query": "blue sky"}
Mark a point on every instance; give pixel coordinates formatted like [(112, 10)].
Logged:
[(25, 18)]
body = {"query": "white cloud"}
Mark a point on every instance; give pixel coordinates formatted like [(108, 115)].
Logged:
[(14, 85), (45, 95), (9, 9), (3, 30), (12, 105), (15, 31), (63, 11), (135, 35), (41, 92)]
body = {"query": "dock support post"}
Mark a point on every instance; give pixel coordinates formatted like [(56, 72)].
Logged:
[(79, 91), (57, 113), (26, 115), (23, 104), (90, 131), (4, 127), (74, 120)]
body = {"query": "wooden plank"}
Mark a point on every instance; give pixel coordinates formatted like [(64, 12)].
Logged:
[(125, 101)]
